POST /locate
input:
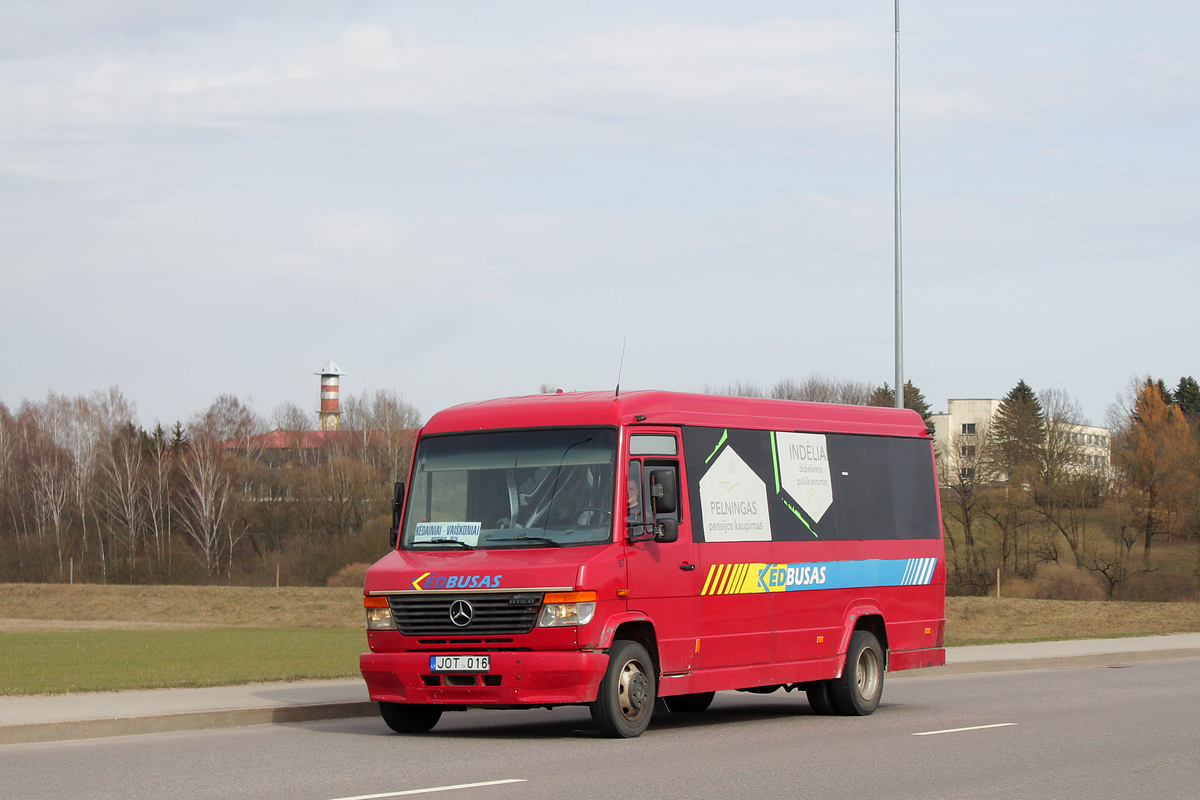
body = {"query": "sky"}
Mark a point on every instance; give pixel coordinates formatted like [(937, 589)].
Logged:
[(461, 200)]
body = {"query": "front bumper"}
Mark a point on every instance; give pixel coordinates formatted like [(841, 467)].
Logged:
[(515, 678)]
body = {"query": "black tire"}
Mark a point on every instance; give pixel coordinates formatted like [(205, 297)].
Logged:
[(857, 692), (625, 701), (820, 698), (689, 703), (406, 718)]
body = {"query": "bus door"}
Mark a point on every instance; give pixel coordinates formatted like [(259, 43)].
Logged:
[(727, 472), (661, 556)]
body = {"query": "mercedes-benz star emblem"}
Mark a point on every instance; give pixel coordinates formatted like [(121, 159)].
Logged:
[(461, 613)]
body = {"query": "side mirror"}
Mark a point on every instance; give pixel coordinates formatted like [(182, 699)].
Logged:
[(397, 509), (668, 531), (663, 490)]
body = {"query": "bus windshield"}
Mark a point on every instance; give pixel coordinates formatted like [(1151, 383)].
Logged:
[(512, 489)]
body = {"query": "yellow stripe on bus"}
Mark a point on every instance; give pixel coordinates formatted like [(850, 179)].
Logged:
[(735, 585), (722, 576)]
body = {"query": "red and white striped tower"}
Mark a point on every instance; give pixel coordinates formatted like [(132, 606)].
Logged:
[(330, 415)]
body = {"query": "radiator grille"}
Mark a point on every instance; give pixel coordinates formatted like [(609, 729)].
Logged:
[(499, 613)]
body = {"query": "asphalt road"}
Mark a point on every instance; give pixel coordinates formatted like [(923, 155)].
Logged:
[(1131, 731)]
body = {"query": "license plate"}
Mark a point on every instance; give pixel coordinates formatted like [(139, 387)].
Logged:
[(459, 663)]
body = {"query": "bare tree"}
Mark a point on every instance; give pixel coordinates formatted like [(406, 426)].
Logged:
[(394, 423), (737, 389), (1112, 560), (348, 486), (967, 470), (159, 508), (385, 427), (1063, 490), (206, 498), (291, 417), (10, 497), (125, 489), (90, 422), (49, 468), (227, 419), (816, 388)]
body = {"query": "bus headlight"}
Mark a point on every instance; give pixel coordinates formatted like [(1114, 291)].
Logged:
[(560, 609), (379, 614)]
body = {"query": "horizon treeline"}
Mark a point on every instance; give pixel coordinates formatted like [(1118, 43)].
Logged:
[(87, 495)]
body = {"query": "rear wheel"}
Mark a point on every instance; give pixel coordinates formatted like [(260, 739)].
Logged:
[(857, 692), (689, 703), (820, 697), (625, 700), (406, 718)]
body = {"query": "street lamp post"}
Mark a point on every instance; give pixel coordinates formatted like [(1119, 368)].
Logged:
[(899, 282)]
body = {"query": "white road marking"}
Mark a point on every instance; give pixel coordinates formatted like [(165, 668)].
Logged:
[(972, 728), (432, 789)]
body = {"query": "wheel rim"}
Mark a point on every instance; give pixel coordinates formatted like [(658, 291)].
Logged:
[(633, 690), (868, 674)]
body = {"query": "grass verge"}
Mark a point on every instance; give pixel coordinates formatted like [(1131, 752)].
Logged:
[(42, 662), (56, 639), (216, 606), (993, 620)]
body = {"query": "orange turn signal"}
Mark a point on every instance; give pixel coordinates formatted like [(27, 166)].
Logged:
[(375, 602), (570, 597)]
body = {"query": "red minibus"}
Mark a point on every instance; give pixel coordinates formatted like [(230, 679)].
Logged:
[(651, 548)]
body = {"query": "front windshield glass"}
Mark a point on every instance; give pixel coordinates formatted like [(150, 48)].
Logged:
[(545, 488)]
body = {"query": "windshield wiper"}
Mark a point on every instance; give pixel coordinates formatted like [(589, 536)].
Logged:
[(445, 541), (538, 539)]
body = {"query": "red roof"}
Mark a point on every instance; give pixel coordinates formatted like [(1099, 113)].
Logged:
[(674, 408)]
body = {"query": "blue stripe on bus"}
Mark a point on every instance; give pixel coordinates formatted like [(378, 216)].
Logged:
[(760, 578)]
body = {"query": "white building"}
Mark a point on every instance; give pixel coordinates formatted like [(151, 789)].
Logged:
[(960, 431)]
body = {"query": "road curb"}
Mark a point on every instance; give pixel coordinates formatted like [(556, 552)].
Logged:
[(189, 721), (1047, 662)]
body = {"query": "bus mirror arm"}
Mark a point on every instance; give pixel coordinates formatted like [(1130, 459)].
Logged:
[(639, 532), (397, 508)]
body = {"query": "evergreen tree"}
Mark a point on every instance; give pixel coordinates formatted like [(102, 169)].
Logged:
[(1161, 385), (1019, 430), (882, 396), (179, 438), (1187, 397), (885, 397)]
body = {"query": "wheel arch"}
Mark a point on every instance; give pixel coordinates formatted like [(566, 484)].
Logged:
[(638, 629), (863, 616)]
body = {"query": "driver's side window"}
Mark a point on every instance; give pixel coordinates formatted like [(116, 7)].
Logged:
[(634, 503)]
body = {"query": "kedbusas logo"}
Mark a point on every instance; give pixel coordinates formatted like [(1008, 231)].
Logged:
[(432, 580)]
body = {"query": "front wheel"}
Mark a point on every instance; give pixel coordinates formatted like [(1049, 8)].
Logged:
[(625, 700), (857, 692), (407, 718)]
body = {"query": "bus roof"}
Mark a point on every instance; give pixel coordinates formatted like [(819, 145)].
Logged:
[(674, 408)]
